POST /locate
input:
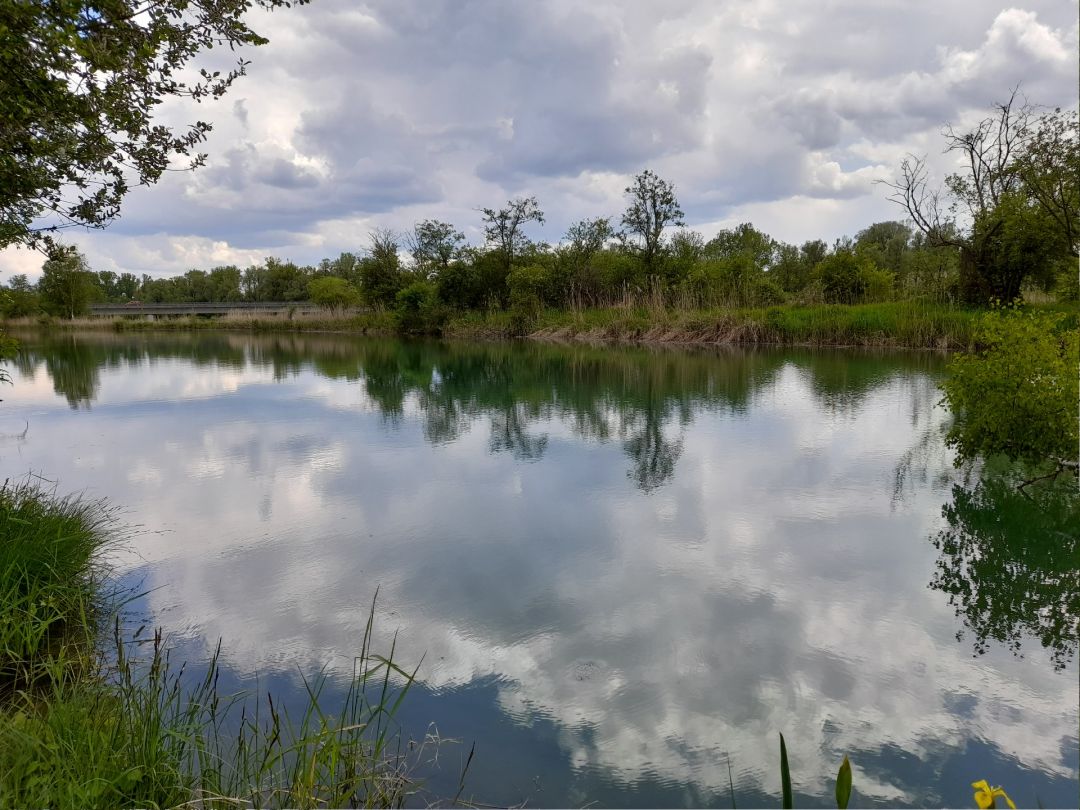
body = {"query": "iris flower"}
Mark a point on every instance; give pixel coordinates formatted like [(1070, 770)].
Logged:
[(984, 795)]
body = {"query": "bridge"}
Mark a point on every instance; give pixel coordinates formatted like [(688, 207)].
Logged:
[(136, 308)]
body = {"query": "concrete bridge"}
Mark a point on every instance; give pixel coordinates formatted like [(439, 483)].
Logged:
[(208, 309)]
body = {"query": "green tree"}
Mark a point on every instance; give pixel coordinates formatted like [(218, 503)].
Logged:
[(503, 226), (335, 294), (1020, 168), (20, 298), (66, 283), (840, 277), (380, 271), (417, 309), (1048, 166), (80, 87), (434, 244), (1017, 394), (652, 208), (223, 284)]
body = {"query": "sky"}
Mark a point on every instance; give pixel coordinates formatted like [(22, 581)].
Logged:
[(362, 115)]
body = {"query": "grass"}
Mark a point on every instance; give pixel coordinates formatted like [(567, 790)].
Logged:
[(82, 729), (906, 324), (51, 581)]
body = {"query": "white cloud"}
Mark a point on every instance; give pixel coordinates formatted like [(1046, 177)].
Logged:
[(382, 114)]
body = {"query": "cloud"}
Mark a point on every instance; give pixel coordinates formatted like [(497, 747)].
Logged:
[(385, 113)]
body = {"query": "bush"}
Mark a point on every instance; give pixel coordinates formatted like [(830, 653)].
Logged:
[(841, 278), (460, 286), (1017, 395), (334, 294), (877, 284), (1067, 284), (417, 310)]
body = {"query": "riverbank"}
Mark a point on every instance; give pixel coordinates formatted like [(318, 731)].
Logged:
[(88, 724), (904, 324)]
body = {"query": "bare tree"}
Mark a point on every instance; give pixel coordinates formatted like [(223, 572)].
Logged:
[(979, 208)]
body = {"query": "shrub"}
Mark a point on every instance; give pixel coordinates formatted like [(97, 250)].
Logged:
[(334, 294), (418, 311), (1017, 394)]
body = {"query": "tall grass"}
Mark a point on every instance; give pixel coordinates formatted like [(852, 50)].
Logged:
[(82, 728), (52, 580), (136, 735)]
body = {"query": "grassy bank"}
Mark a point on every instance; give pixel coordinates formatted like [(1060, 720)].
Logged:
[(905, 324), (82, 729)]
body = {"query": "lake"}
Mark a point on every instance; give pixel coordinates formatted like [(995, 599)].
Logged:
[(625, 570)]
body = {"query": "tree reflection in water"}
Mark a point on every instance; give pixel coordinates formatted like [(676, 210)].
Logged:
[(1010, 563)]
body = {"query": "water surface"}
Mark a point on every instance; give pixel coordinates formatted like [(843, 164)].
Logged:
[(624, 569)]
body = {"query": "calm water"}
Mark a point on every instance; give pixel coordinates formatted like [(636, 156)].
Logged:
[(623, 568)]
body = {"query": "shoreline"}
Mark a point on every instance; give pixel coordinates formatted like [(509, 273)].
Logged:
[(898, 325)]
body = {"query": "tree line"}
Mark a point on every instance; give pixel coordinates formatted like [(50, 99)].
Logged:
[(1006, 223)]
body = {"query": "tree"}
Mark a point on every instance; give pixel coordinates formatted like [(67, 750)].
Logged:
[(1017, 395), (1016, 164), (80, 85), (503, 227), (434, 244), (66, 283), (1048, 166), (19, 299), (652, 208), (335, 294), (840, 278), (380, 270), (589, 236)]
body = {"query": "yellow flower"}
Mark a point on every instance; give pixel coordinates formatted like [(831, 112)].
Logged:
[(984, 795)]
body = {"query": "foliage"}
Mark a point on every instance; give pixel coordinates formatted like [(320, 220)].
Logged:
[(841, 277), (380, 272), (1049, 169), (334, 294), (20, 299), (461, 286), (1012, 211), (66, 283), (529, 287), (652, 207), (417, 309), (843, 781), (80, 87), (1067, 283), (1016, 395), (434, 244), (503, 226)]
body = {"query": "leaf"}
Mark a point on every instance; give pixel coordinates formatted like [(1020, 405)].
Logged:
[(843, 784), (785, 776)]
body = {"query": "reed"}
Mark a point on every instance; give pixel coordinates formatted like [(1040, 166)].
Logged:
[(90, 722)]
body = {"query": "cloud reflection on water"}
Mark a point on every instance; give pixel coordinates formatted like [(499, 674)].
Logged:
[(668, 556)]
